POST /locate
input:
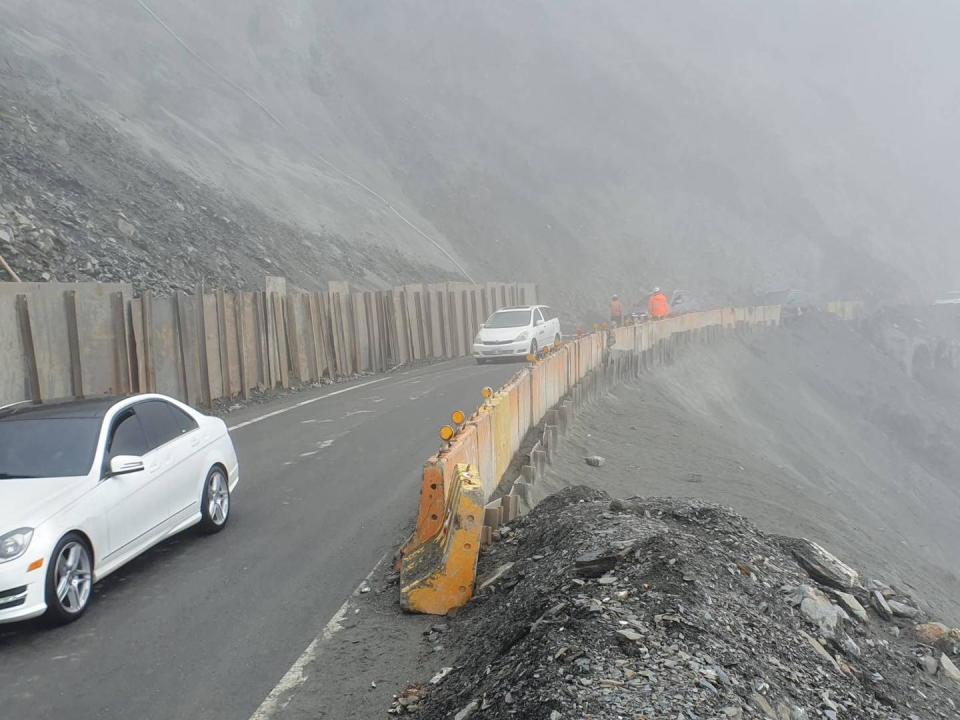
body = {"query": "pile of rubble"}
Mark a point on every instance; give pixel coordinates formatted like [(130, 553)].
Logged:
[(666, 608)]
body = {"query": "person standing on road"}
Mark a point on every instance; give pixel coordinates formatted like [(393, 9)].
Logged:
[(616, 311), (659, 306)]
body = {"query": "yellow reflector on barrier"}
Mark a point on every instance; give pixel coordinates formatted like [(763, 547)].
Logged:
[(447, 433), (531, 358), (487, 393), (458, 417)]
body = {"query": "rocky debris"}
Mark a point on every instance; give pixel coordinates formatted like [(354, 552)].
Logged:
[(595, 461), (407, 702), (107, 211), (949, 669), (850, 604), (658, 608), (823, 566), (818, 609), (595, 563), (900, 609), (880, 604)]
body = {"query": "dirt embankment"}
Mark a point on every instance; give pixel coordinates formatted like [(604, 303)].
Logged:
[(809, 431), (667, 608)]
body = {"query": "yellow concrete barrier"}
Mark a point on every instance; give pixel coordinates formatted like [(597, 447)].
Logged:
[(439, 575)]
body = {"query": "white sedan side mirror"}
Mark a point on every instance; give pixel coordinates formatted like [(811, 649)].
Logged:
[(125, 465)]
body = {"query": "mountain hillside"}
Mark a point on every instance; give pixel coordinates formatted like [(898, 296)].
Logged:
[(591, 147)]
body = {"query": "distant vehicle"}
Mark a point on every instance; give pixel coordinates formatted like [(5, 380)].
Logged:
[(951, 298), (793, 303), (787, 298), (682, 302), (516, 332), (88, 485)]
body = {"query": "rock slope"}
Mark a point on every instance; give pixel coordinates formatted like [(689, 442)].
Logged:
[(681, 609), (80, 201)]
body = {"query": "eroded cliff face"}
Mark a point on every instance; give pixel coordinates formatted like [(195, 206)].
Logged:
[(590, 148)]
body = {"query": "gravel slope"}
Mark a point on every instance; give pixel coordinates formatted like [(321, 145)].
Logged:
[(808, 431)]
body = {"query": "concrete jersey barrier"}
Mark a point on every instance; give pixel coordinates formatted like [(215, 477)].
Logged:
[(490, 440)]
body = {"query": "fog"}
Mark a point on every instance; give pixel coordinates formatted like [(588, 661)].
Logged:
[(726, 148)]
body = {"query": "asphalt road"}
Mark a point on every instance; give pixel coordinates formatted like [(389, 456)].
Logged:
[(204, 627)]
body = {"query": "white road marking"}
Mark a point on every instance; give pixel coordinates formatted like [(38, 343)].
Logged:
[(325, 443), (296, 676), (308, 454), (300, 404), (357, 412)]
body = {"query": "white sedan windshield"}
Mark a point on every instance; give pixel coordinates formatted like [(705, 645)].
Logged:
[(47, 447), (509, 319)]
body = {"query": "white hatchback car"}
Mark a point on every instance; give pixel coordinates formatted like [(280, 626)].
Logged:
[(516, 332), (87, 485)]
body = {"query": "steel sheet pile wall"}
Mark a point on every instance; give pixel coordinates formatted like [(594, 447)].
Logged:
[(490, 440), (70, 340)]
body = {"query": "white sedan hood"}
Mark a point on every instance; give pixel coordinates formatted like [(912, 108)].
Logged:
[(501, 334), (27, 502)]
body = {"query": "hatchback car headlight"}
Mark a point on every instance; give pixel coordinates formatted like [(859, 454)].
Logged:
[(522, 336), (14, 544)]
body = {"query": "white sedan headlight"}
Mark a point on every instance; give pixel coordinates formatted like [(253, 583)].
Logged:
[(14, 544), (522, 336)]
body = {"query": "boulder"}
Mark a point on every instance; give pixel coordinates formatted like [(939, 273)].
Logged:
[(902, 609), (931, 633), (816, 607), (820, 564), (948, 668), (879, 603), (127, 228), (929, 664), (849, 603)]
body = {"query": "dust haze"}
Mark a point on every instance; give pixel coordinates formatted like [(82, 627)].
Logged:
[(725, 148)]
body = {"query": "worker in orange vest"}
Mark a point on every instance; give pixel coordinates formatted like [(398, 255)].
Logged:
[(659, 307), (616, 311)]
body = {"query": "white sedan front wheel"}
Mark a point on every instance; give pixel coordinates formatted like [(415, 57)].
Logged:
[(69, 585), (215, 503)]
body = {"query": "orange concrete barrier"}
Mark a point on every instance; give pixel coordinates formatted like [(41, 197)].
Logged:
[(439, 575), (438, 477)]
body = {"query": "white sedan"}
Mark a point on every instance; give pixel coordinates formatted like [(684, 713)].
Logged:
[(87, 485), (516, 332)]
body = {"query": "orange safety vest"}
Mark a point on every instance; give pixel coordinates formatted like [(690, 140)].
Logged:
[(659, 307)]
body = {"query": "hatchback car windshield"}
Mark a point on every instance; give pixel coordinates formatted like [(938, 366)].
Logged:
[(509, 319), (47, 447)]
